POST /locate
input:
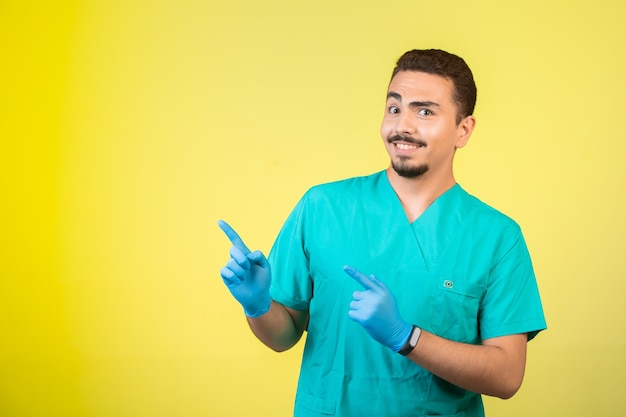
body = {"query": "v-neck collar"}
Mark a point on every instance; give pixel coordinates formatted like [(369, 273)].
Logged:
[(431, 232)]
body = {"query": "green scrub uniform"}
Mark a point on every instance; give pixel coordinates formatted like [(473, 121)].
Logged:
[(461, 271)]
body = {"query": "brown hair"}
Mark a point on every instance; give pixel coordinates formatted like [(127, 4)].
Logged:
[(447, 65)]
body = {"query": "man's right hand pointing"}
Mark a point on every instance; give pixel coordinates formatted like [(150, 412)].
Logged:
[(247, 275)]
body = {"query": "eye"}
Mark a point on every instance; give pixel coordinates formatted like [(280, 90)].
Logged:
[(393, 110), (425, 112)]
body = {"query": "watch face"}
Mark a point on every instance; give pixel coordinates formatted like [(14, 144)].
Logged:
[(415, 337)]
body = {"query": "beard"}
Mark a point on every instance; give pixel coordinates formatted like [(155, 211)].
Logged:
[(402, 166), (406, 170)]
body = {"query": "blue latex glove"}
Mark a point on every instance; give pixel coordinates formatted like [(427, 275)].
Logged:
[(247, 275), (377, 311)]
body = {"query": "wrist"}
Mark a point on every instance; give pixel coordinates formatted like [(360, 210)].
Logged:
[(403, 333), (258, 309), (411, 342)]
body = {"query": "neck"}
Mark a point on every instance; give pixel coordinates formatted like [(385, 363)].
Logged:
[(417, 194)]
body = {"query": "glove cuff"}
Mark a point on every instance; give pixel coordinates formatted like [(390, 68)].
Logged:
[(258, 310), (404, 332)]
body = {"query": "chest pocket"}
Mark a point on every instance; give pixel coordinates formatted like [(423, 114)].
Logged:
[(456, 307)]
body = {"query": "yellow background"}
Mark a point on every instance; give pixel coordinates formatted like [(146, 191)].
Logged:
[(128, 128)]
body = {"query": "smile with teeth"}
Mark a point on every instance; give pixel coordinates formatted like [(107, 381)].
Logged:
[(403, 146)]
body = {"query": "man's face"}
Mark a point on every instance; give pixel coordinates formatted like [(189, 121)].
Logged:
[(419, 129)]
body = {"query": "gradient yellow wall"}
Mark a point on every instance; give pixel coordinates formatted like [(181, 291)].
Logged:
[(128, 128)]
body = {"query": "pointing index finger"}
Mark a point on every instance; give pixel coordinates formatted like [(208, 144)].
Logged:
[(359, 277), (233, 236)]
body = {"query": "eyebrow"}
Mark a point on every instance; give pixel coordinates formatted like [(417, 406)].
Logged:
[(398, 97)]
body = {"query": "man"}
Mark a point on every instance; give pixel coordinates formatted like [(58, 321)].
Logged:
[(450, 299)]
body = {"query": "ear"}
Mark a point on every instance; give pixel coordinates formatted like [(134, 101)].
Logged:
[(464, 130)]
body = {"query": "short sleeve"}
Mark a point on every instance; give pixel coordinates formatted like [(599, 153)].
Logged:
[(291, 281), (512, 304)]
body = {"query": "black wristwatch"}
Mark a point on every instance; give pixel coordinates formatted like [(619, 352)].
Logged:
[(410, 344)]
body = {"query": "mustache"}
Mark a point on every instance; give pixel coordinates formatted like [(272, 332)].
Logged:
[(407, 139)]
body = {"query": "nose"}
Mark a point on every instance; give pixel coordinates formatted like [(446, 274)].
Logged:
[(405, 124)]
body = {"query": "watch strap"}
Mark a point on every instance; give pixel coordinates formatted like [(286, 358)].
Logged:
[(411, 342)]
